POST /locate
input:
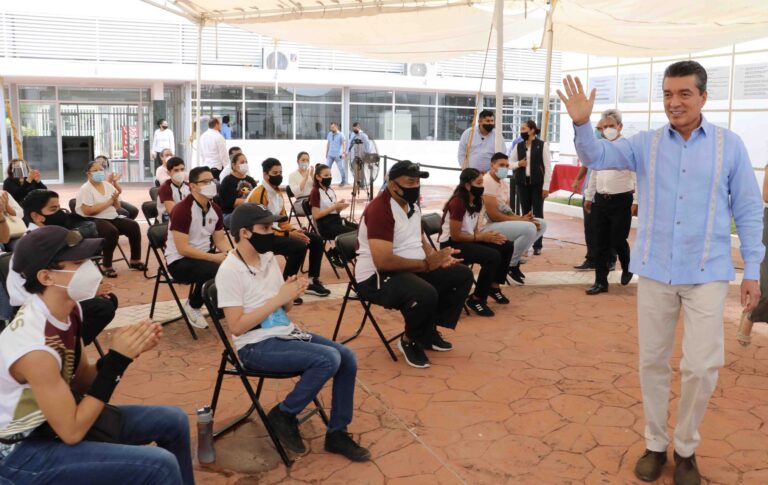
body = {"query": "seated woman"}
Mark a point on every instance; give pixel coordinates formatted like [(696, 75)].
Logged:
[(162, 173), (300, 181), (236, 186), (326, 208), (21, 179), (126, 209), (99, 200), (491, 250)]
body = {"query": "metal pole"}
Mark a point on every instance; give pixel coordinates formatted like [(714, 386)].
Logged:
[(3, 139), (499, 21), (548, 37), (197, 88)]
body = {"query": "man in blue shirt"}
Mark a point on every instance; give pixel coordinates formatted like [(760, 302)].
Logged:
[(335, 151), (482, 145), (226, 130), (692, 177)]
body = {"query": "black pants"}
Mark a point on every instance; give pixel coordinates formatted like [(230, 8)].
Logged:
[(295, 251), (97, 314), (128, 210), (215, 172), (591, 256), (111, 229), (492, 258), (424, 299), (532, 201), (333, 225), (611, 220), (195, 272)]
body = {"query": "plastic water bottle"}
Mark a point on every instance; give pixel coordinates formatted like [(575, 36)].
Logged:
[(205, 451)]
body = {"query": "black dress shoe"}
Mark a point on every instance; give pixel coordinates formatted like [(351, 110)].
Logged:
[(686, 470), (611, 266), (597, 288), (586, 265), (626, 277), (648, 467)]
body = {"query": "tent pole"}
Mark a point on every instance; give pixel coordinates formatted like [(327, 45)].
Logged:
[(548, 36), (197, 88), (499, 21)]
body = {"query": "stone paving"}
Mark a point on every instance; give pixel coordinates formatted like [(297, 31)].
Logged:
[(546, 392)]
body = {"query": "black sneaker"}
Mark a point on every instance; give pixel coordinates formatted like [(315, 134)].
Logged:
[(585, 266), (479, 307), (315, 287), (341, 442), (440, 344), (333, 255), (298, 301), (516, 274), (413, 353), (498, 296), (286, 427)]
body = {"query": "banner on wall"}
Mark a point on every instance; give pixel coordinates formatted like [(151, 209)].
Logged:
[(130, 142)]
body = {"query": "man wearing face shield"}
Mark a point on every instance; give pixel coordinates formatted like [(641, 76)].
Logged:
[(483, 144), (615, 201), (21, 180)]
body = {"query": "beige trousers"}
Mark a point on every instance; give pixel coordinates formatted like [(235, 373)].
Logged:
[(658, 309)]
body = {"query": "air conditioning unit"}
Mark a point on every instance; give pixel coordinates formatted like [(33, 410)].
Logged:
[(421, 69), (280, 59)]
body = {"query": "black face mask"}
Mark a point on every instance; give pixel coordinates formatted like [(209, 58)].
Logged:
[(262, 243), (58, 218), (489, 128), (476, 191), (326, 181), (275, 180), (410, 194), (355, 131), (524, 135)]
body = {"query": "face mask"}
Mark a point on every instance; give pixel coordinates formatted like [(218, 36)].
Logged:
[(178, 177), (303, 166), (58, 218), (326, 181), (524, 135), (610, 133), (488, 127), (410, 194), (84, 283), (502, 172), (208, 190), (275, 180), (476, 191), (355, 131), (243, 169), (98, 176), (262, 243)]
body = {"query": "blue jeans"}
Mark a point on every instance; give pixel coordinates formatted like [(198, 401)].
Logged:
[(318, 360), (339, 163), (168, 463)]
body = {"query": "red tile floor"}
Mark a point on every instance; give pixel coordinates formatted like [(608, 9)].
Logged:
[(544, 393)]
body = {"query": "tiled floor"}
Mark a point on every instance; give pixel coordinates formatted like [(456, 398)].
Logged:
[(544, 393)]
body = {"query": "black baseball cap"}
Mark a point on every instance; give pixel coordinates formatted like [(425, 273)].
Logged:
[(248, 214), (39, 248), (406, 168)]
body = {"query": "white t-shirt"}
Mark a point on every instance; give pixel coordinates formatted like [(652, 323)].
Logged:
[(163, 139), (294, 182), (499, 189), (161, 174), (88, 195), (188, 218), (237, 287), (456, 211), (213, 149), (169, 191)]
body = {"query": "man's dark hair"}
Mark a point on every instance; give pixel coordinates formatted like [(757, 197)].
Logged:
[(233, 150), (236, 158), (333, 123), (194, 174), (688, 68), (499, 156), (160, 121), (34, 286), (102, 158), (173, 162), (356, 124), (213, 122), (270, 162), (35, 201), (225, 119), (486, 113)]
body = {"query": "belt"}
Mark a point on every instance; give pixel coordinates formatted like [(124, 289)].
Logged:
[(612, 196)]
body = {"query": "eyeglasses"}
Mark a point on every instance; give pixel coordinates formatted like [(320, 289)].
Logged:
[(203, 182)]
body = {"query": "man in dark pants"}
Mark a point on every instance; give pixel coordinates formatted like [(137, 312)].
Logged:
[(613, 192), (397, 268)]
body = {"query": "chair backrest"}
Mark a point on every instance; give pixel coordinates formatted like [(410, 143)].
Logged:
[(346, 246), (289, 192), (149, 209), (210, 298), (431, 223), (153, 193), (157, 235), (5, 268), (72, 203)]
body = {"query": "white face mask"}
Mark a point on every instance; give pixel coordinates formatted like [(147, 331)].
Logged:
[(178, 177), (84, 283), (243, 168), (610, 133), (209, 190), (304, 166)]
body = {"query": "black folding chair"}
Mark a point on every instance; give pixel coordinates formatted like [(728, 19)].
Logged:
[(292, 200), (151, 214), (153, 193), (345, 245), (431, 225), (312, 226), (5, 268), (156, 235), (231, 366), (72, 204)]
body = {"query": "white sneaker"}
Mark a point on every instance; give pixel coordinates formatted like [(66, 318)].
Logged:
[(196, 318)]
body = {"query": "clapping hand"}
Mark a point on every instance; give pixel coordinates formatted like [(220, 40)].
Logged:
[(134, 339), (577, 103), (292, 288)]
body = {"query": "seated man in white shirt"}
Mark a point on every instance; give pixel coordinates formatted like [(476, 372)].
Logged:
[(255, 301), (615, 202)]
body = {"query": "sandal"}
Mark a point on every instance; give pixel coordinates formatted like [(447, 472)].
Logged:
[(109, 273), (137, 266)]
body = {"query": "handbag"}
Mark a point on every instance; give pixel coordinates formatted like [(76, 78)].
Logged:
[(16, 226)]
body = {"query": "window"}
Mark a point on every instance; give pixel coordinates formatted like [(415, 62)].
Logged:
[(269, 121), (427, 99), (218, 92), (412, 123), (38, 127), (313, 120), (220, 109), (267, 94), (454, 115), (37, 93), (364, 96), (372, 118), (331, 95)]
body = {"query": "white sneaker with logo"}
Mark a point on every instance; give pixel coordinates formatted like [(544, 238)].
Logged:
[(196, 318)]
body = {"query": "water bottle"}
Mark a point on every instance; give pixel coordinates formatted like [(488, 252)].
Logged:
[(205, 452)]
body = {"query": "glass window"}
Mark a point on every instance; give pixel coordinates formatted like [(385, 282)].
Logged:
[(313, 120), (331, 95), (208, 91), (451, 122), (109, 95), (365, 96), (219, 109), (415, 98), (269, 121), (448, 99), (413, 123), (38, 127), (267, 94), (372, 119), (36, 93)]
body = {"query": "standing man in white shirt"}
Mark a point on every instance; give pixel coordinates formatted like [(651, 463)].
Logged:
[(615, 201), (483, 144), (213, 148), (162, 139)]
